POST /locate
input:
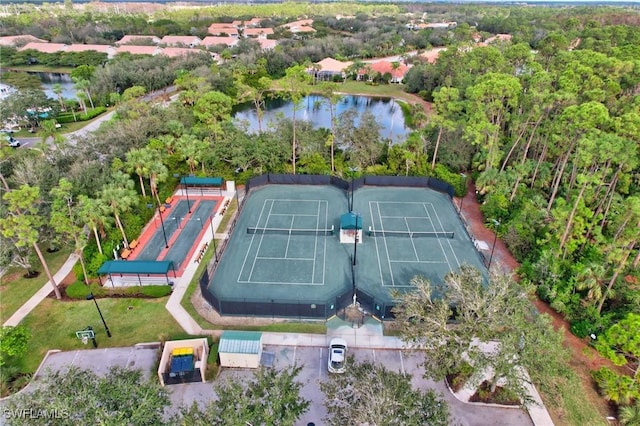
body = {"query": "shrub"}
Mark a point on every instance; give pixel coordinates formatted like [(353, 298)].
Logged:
[(616, 388), (456, 180), (156, 290), (78, 290)]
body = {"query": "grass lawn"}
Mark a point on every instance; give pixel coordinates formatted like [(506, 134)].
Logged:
[(16, 290), (53, 325), (40, 68)]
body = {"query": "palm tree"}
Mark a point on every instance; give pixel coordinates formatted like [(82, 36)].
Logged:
[(48, 130), (630, 416), (94, 214), (137, 162), (57, 89), (120, 196), (590, 278), (158, 172)]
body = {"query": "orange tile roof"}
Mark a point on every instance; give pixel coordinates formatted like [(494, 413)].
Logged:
[(137, 38), (186, 40), (172, 52), (13, 40), (255, 32), (213, 40), (139, 50), (267, 44), (45, 47), (384, 67), (104, 48)]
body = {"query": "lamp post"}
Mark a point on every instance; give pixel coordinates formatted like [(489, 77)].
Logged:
[(495, 239), (355, 243), (186, 189), (236, 172), (213, 239), (462, 198), (90, 296), (164, 233), (353, 170)]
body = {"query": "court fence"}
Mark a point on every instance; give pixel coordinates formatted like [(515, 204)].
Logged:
[(308, 309)]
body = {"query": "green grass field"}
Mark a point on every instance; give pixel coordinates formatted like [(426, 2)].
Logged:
[(15, 290), (53, 325)]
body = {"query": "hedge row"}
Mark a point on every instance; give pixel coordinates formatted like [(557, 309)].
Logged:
[(79, 290), (67, 117)]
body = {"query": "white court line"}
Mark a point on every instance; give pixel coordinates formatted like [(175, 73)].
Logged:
[(439, 239), (289, 214), (259, 245), (279, 283), (393, 281), (434, 262), (315, 246), (448, 240), (376, 241), (284, 258), (415, 252), (246, 256), (324, 254), (286, 251)]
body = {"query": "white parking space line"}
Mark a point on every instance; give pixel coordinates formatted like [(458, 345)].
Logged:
[(401, 363), (320, 366)]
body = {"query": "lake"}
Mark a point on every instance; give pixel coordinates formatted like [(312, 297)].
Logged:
[(315, 110)]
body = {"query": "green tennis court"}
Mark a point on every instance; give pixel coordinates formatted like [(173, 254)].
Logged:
[(286, 248)]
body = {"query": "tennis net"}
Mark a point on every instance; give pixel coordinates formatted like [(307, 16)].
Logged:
[(287, 231), (408, 234)]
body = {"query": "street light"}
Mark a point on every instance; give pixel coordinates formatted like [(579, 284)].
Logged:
[(213, 234), (164, 233), (353, 170), (90, 296), (236, 172), (495, 238), (186, 189), (465, 187)]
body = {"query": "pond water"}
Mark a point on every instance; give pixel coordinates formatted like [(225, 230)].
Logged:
[(315, 109), (50, 79)]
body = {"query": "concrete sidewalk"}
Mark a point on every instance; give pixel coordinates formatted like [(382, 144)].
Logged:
[(41, 294)]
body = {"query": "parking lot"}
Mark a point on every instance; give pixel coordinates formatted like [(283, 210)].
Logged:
[(313, 361)]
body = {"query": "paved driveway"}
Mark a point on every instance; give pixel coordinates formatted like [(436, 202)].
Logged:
[(314, 369)]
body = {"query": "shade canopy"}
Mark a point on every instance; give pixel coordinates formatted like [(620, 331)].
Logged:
[(351, 220), (135, 267), (201, 181)]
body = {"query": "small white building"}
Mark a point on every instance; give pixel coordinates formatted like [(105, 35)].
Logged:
[(240, 349)]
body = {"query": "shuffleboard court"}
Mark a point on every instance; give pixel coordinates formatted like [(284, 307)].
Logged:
[(155, 245), (192, 226)]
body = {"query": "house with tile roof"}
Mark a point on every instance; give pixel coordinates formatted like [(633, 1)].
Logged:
[(253, 22), (223, 30), (211, 41), (498, 38), (138, 50), (397, 70), (102, 48), (257, 32), (44, 47), (138, 40), (301, 26), (328, 68), (20, 40), (180, 41), (173, 52), (267, 44)]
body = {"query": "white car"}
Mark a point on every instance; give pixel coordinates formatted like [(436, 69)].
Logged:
[(337, 355)]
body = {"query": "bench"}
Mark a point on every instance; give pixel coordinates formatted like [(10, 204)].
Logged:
[(162, 209), (125, 253), (133, 244), (169, 200)]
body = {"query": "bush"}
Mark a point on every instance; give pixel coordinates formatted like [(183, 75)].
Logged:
[(67, 117), (581, 328), (156, 291), (619, 389), (78, 290), (456, 180)]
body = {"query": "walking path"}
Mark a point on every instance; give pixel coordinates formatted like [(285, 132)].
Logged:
[(41, 294)]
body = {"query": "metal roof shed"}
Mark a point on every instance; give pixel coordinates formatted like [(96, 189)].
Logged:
[(136, 268), (240, 349)]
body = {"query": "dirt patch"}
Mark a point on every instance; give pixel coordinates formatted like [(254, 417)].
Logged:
[(499, 396)]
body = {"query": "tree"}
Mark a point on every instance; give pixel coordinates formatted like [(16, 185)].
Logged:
[(94, 214), (49, 130), (630, 416), (23, 223), (13, 343), (270, 397), (621, 343), (213, 108), (57, 89), (370, 394), (82, 397), (120, 196), (295, 85), (492, 326), (66, 222), (328, 90), (138, 162)]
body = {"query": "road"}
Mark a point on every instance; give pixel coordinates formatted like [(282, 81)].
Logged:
[(92, 126)]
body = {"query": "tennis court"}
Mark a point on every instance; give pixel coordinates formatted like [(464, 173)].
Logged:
[(408, 232), (285, 247)]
